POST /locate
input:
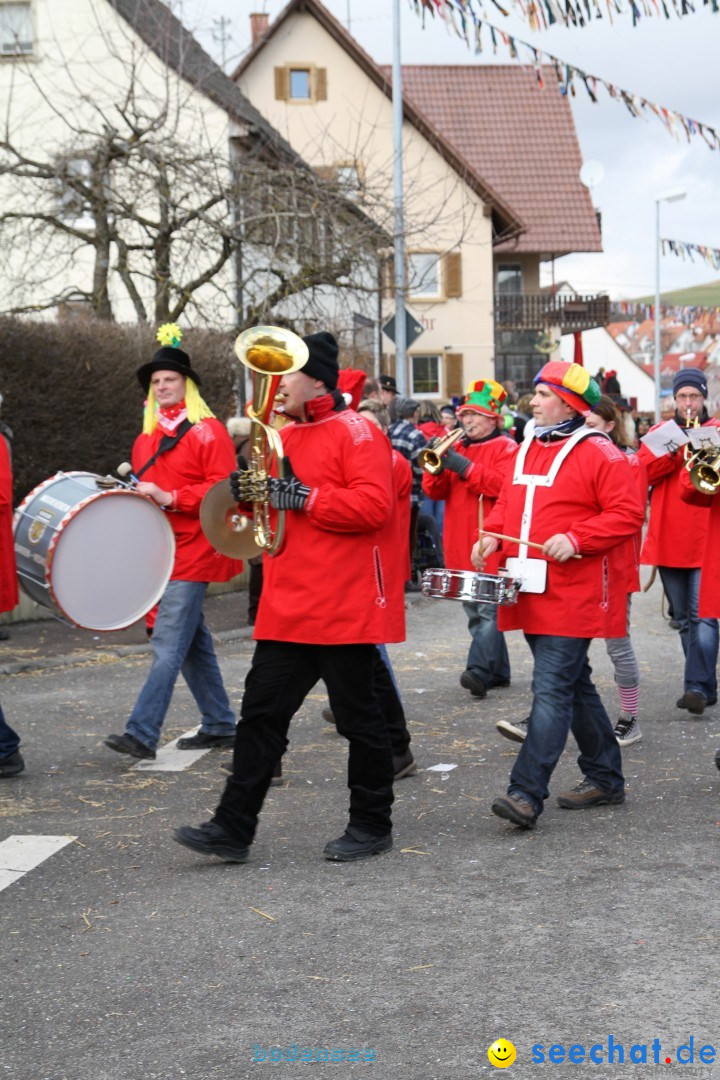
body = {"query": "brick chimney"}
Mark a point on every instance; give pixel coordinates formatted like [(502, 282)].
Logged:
[(258, 26)]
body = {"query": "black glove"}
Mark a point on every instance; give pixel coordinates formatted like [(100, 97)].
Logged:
[(241, 487), (287, 492), (456, 463)]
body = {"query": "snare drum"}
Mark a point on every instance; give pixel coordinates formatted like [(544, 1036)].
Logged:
[(470, 586), (100, 558)]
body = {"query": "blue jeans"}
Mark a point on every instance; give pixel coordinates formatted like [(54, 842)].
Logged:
[(564, 699), (699, 637), (434, 508), (488, 656), (9, 741), (182, 642)]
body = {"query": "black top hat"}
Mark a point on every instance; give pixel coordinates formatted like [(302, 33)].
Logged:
[(167, 359)]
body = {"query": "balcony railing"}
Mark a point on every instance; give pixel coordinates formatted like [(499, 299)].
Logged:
[(535, 311)]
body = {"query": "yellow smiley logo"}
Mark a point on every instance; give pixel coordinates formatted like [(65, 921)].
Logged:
[(501, 1054)]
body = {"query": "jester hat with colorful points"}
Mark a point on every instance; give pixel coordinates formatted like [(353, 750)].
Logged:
[(484, 396), (168, 358), (572, 383)]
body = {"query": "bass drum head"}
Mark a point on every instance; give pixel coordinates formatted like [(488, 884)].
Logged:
[(112, 560)]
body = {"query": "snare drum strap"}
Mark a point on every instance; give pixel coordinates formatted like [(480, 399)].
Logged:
[(166, 443)]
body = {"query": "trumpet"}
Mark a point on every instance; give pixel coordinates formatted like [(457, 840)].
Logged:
[(430, 458)]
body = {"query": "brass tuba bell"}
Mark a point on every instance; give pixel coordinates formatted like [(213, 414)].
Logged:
[(704, 469), (269, 352)]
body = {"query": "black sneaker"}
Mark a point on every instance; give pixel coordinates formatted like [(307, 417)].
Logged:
[(404, 765), (357, 844), (627, 731), (211, 839), (128, 744), (12, 764), (515, 809), (202, 741), (717, 758), (474, 684), (513, 729)]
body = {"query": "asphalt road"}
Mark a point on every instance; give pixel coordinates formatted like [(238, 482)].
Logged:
[(129, 958)]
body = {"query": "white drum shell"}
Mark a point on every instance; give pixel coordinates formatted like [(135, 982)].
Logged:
[(470, 586), (100, 558)]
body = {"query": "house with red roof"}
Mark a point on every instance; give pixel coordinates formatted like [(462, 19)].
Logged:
[(491, 186)]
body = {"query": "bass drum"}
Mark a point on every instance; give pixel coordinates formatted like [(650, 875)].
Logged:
[(100, 558)]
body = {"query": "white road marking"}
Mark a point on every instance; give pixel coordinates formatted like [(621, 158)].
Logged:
[(170, 759), (19, 854)]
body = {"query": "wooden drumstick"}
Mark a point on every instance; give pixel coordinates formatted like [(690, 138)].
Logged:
[(517, 540)]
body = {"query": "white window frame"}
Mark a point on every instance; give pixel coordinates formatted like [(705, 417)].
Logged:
[(424, 293), (10, 49), (430, 395)]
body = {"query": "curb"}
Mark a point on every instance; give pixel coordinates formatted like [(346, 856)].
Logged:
[(20, 667)]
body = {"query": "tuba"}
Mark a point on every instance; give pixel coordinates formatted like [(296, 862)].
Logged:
[(269, 352), (430, 458), (703, 465)]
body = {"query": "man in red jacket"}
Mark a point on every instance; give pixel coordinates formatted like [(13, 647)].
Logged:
[(571, 491), (675, 543), (323, 609), (469, 483), (182, 451), (11, 760)]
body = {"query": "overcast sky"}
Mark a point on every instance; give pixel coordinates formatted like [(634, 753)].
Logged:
[(674, 63)]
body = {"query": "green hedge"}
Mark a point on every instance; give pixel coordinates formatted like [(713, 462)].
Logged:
[(72, 398)]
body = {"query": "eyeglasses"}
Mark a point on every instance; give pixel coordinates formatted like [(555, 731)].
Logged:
[(688, 397)]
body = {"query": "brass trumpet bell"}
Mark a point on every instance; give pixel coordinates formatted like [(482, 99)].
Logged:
[(430, 458), (704, 469)]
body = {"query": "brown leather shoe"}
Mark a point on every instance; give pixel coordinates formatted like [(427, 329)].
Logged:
[(586, 794), (516, 809)]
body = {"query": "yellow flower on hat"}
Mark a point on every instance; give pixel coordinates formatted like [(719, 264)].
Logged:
[(169, 334)]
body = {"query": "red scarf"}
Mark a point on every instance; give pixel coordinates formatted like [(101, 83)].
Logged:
[(170, 417)]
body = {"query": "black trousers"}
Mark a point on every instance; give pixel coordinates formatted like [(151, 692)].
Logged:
[(280, 678)]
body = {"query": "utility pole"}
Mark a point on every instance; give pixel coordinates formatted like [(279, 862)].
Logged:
[(400, 282)]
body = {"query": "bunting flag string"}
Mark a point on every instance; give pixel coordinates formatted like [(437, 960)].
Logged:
[(541, 14), (688, 251), (688, 314), (459, 14)]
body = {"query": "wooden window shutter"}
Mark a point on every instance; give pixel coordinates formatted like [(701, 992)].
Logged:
[(326, 172), (453, 275), (321, 84), (282, 84), (388, 279), (454, 375)]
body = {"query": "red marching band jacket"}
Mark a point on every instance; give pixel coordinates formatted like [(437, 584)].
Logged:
[(8, 575), (204, 455), (333, 582), (595, 501), (677, 531), (692, 499), (490, 461)]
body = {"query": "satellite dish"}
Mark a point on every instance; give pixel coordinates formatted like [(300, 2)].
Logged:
[(591, 174)]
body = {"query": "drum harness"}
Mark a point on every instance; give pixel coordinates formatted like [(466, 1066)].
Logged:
[(166, 443), (531, 481)]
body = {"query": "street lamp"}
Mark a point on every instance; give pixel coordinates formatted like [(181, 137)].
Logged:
[(672, 196)]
